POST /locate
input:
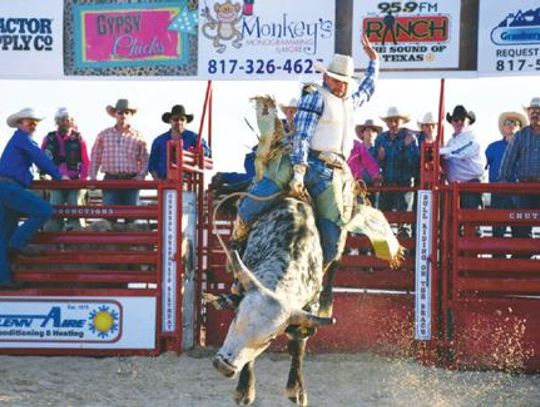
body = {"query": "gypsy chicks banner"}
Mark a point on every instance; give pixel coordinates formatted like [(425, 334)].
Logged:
[(255, 39), (150, 37), (509, 37), (31, 39), (409, 35)]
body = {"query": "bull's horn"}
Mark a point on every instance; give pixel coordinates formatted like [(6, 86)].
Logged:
[(243, 274), (308, 320)]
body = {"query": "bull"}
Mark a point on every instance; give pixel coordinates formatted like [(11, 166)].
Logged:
[(281, 273)]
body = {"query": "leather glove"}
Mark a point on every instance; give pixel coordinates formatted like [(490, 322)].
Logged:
[(296, 186)]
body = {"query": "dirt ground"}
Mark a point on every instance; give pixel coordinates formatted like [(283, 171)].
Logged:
[(190, 380)]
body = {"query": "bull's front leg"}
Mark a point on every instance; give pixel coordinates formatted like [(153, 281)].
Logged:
[(245, 390), (295, 384), (326, 299)]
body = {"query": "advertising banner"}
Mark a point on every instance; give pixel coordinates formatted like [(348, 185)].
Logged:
[(136, 38), (509, 37), (81, 322), (260, 40), (424, 234), (31, 39), (408, 35)]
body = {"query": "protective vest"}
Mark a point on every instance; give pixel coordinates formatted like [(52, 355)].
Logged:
[(73, 150), (335, 129)]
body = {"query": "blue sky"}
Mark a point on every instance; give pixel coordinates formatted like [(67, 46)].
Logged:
[(87, 99)]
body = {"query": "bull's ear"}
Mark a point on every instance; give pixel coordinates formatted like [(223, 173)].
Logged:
[(308, 320), (242, 273)]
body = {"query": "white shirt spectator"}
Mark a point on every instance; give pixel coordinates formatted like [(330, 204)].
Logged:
[(464, 159)]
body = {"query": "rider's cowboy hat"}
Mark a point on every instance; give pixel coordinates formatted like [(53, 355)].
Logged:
[(461, 113), (292, 104), (394, 112), (121, 105), (429, 118), (341, 68), (176, 111), (535, 102), (520, 117), (368, 124), (26, 113)]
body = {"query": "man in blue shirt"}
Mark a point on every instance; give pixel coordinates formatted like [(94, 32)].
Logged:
[(509, 123), (177, 118), (15, 175)]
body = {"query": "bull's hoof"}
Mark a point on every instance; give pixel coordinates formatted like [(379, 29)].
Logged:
[(325, 310), (224, 367), (244, 398), (297, 395)]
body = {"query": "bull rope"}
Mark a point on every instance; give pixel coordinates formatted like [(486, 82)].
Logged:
[(226, 198)]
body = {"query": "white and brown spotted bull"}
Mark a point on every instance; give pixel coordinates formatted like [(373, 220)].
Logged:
[(281, 274)]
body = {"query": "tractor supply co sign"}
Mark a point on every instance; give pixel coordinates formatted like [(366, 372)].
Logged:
[(412, 35), (261, 40), (509, 37), (423, 266), (78, 323), (31, 39)]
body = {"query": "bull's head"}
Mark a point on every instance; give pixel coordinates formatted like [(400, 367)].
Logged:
[(261, 316)]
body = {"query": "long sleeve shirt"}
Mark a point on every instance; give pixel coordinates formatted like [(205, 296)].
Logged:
[(522, 156), (363, 165), (463, 158), (82, 171), (20, 153), (158, 153), (494, 155), (310, 108), (401, 162), (119, 152)]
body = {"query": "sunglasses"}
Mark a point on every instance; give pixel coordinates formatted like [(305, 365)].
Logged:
[(512, 123)]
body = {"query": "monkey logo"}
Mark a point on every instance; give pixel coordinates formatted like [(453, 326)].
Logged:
[(222, 27)]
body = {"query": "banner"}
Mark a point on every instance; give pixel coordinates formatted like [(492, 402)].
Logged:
[(31, 39), (261, 40), (509, 37), (408, 35), (422, 290), (136, 38)]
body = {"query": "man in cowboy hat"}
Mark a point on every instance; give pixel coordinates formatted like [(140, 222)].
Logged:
[(177, 118), (427, 126), (67, 148), (20, 153), (399, 159), (462, 155), (522, 160), (120, 152), (323, 138), (289, 110), (509, 123)]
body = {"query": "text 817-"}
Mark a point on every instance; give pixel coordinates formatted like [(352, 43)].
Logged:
[(517, 65)]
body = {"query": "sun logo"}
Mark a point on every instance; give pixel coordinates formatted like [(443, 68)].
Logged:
[(103, 321)]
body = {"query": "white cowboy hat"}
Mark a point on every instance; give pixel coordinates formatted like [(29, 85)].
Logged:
[(292, 103), (535, 102), (395, 112), (504, 116), (429, 118), (121, 104), (341, 68), (26, 113)]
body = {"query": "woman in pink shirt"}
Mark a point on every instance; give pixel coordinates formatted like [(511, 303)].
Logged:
[(363, 165)]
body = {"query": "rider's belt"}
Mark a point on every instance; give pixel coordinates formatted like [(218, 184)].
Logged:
[(120, 175), (327, 160)]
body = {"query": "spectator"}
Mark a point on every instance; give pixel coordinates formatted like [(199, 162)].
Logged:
[(399, 159), (427, 126), (120, 152), (363, 166), (177, 118), (462, 155), (289, 111), (509, 123), (66, 147), (522, 159), (16, 162), (368, 132)]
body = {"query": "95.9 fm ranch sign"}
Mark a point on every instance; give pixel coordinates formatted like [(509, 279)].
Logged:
[(414, 35)]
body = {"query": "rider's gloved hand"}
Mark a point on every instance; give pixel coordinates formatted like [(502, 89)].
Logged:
[(296, 186)]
